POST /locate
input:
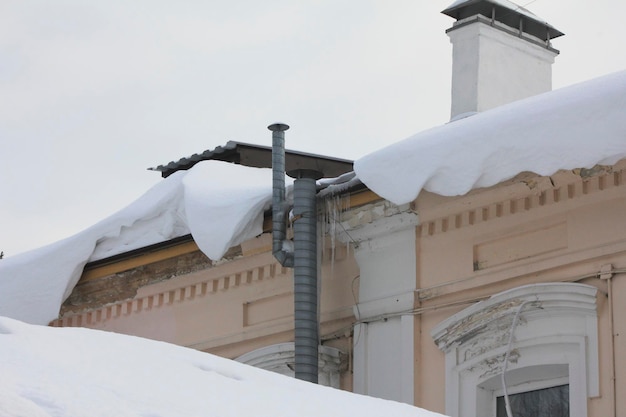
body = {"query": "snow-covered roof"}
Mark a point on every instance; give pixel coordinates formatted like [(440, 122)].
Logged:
[(222, 204), (219, 203), (574, 127), (76, 372)]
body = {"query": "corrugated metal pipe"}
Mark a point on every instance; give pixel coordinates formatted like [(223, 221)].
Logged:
[(305, 276), (280, 207), (304, 256)]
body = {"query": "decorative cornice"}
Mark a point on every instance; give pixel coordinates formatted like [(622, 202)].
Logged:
[(185, 292), (587, 181), (374, 220), (541, 299)]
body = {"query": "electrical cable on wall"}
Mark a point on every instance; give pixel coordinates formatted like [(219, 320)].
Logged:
[(507, 403)]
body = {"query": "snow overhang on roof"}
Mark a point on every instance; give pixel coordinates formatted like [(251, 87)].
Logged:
[(506, 12), (574, 127), (258, 156)]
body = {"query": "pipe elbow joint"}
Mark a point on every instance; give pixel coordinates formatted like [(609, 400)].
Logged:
[(284, 257)]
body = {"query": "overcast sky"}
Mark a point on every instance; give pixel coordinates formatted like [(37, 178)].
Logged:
[(94, 92)]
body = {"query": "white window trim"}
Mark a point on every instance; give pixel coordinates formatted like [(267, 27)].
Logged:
[(557, 326), (280, 358)]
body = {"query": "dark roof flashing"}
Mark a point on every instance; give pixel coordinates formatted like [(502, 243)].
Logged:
[(259, 156)]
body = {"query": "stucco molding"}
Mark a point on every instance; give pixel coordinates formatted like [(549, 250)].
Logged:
[(176, 290), (557, 330), (558, 298), (369, 222), (582, 182), (384, 239), (280, 358)]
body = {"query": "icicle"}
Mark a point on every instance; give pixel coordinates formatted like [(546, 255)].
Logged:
[(334, 205), (331, 204)]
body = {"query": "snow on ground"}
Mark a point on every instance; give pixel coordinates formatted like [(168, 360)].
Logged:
[(76, 372), (574, 127), (221, 204)]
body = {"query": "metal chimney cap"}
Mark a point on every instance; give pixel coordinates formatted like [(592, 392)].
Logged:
[(507, 13), (278, 127)]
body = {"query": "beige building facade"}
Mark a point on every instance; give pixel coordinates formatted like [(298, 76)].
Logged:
[(417, 302), (429, 302)]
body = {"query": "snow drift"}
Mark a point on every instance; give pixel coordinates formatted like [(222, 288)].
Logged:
[(76, 372)]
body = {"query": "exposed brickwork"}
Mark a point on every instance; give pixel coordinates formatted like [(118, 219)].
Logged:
[(182, 290), (94, 293)]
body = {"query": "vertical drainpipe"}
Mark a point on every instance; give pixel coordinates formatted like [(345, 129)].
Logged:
[(305, 274), (304, 257)]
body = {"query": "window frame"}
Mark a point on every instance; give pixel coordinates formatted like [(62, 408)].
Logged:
[(557, 326), (528, 387)]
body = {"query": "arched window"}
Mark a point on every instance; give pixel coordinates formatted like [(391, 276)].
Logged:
[(552, 355), (280, 358)]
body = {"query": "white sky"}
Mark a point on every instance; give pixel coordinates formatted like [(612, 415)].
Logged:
[(93, 93)]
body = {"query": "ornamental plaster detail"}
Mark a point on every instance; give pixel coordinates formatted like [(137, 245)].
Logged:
[(384, 240), (375, 220), (187, 290), (556, 336), (562, 298), (280, 358), (585, 182)]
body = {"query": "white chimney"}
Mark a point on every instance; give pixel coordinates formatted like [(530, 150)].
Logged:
[(501, 53)]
